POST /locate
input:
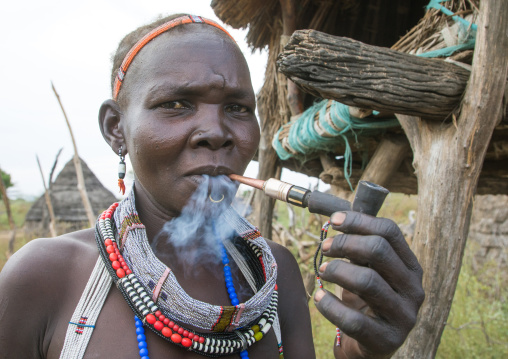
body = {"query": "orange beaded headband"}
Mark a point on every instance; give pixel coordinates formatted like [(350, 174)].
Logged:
[(187, 19)]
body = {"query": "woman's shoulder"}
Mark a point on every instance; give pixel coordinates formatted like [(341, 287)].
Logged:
[(36, 284), (51, 256)]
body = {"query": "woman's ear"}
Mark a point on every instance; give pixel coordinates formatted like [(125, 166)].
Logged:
[(110, 117)]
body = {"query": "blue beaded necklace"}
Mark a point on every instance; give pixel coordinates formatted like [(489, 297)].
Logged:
[(140, 335), (228, 278), (230, 286)]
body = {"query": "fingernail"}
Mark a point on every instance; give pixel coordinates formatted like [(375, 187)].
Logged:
[(327, 243), (323, 267), (319, 295), (338, 218)]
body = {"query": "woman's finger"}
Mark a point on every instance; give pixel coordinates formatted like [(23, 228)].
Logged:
[(358, 223), (375, 336), (376, 253), (366, 283)]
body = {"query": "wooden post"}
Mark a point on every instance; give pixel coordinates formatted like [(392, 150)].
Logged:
[(47, 197), (79, 170), (448, 161), (386, 160), (5, 198)]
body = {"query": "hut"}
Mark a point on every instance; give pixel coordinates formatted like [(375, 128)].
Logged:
[(70, 214), (450, 141)]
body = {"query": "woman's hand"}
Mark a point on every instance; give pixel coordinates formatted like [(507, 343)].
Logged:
[(382, 285)]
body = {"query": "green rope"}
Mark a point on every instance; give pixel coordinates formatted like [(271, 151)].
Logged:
[(306, 140)]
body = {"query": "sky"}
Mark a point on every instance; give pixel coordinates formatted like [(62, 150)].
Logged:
[(70, 43)]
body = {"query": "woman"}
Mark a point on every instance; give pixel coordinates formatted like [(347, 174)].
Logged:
[(183, 109)]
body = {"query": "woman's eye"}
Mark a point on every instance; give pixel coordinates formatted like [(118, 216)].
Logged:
[(173, 105), (237, 108)]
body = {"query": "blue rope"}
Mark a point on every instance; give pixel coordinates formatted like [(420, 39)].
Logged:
[(306, 141), (468, 41)]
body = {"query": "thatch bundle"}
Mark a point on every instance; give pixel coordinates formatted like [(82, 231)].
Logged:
[(437, 30)]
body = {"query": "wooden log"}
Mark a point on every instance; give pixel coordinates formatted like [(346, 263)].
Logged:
[(492, 178), (372, 77), (448, 160)]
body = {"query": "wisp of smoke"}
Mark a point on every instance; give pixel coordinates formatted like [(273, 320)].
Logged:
[(200, 225)]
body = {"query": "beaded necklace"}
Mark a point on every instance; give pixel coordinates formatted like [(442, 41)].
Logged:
[(153, 293)]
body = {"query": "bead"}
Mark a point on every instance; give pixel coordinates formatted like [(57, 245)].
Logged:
[(162, 317), (201, 340), (108, 242), (195, 338), (158, 313), (150, 318), (139, 323), (120, 273), (125, 268), (110, 249), (180, 330), (141, 337), (113, 257), (185, 333), (128, 271), (258, 336), (171, 324), (158, 325), (143, 352), (140, 331), (176, 338), (166, 332), (166, 321), (256, 328), (186, 342), (175, 327), (235, 302), (141, 344), (276, 287), (115, 265)]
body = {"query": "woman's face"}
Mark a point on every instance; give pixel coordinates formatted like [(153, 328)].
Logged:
[(189, 111)]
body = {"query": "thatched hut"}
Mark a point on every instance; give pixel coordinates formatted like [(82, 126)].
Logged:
[(452, 140), (70, 214)]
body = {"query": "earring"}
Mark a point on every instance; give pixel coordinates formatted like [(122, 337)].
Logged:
[(121, 171)]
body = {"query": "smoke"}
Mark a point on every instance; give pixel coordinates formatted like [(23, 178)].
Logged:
[(197, 232)]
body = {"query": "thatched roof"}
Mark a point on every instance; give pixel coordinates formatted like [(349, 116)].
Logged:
[(376, 22), (66, 199)]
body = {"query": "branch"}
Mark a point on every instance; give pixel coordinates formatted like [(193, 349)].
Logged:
[(77, 165), (52, 222)]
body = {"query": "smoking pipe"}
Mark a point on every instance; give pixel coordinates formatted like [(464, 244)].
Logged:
[(368, 199)]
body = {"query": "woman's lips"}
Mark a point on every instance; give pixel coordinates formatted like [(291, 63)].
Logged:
[(198, 179)]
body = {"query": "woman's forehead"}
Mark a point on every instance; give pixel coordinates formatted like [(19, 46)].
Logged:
[(189, 57)]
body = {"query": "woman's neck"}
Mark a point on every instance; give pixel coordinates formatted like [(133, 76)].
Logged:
[(152, 215)]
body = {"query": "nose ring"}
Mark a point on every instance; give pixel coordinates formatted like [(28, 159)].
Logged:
[(216, 200)]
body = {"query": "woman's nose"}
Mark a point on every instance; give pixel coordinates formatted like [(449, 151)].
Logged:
[(211, 133)]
